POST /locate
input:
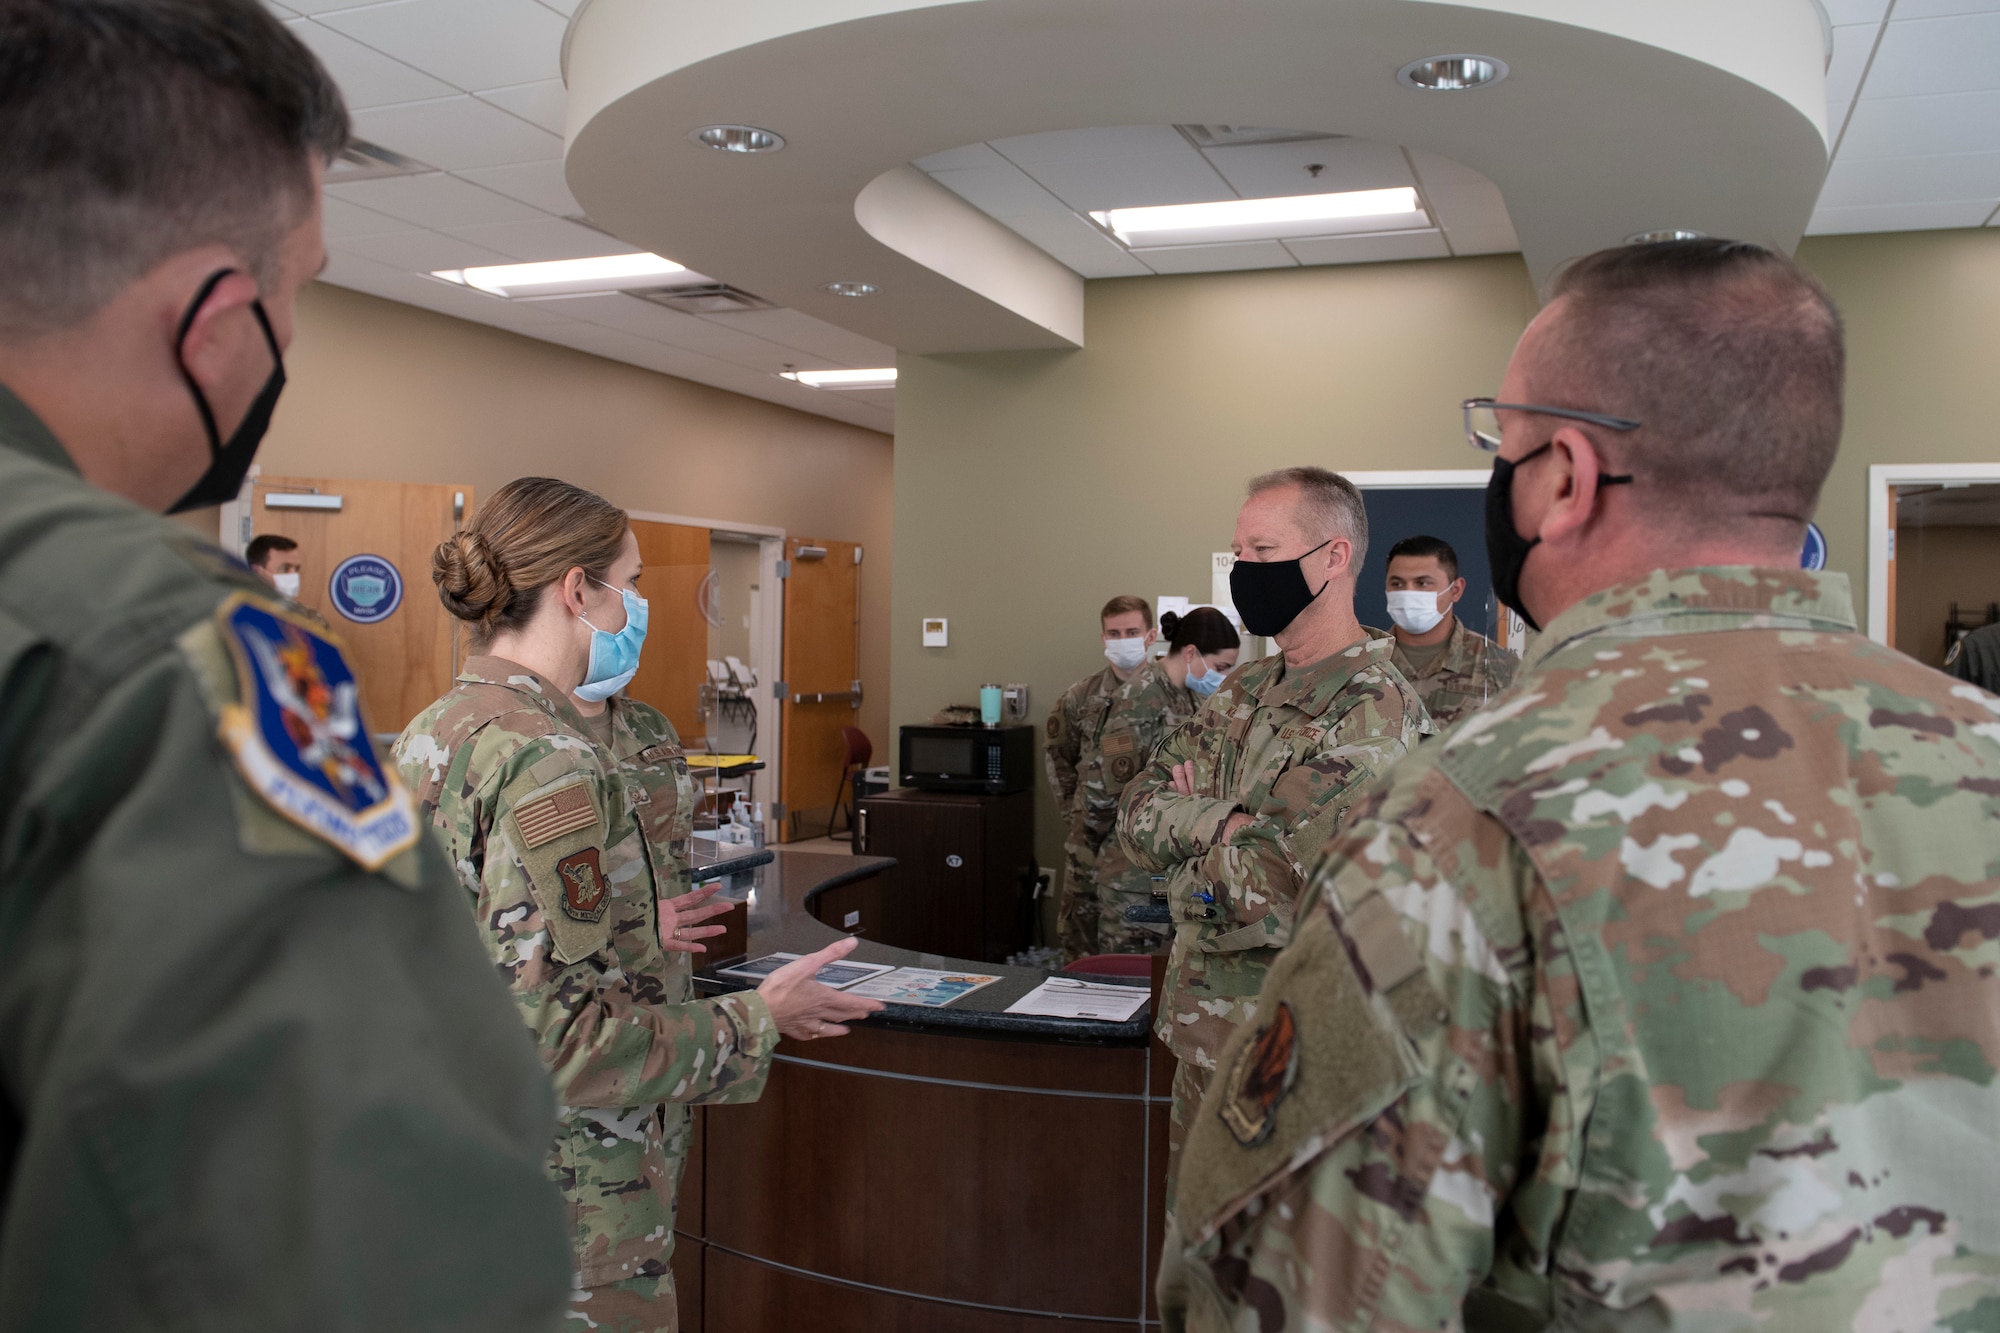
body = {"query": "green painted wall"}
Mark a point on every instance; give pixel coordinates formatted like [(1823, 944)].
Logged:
[(1031, 486)]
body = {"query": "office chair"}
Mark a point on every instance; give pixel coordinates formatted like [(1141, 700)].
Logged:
[(859, 751)]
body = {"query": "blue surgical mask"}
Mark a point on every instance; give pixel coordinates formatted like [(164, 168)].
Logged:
[(614, 658), (1208, 682)]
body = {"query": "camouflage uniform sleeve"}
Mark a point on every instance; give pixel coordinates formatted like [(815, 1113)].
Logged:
[(1427, 1089), (1062, 749), (601, 1046), (1157, 826)]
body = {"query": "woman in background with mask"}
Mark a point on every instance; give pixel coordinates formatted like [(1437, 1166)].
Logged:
[(1201, 650), (577, 883)]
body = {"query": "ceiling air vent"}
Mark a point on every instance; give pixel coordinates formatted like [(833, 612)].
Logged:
[(364, 161), (708, 298), (1231, 136)]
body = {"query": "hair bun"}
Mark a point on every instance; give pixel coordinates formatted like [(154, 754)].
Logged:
[(1169, 622), (471, 582)]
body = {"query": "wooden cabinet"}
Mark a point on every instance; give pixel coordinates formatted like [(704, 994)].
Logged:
[(964, 868)]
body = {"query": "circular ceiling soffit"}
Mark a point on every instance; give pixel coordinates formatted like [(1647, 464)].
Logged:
[(738, 139), (1665, 234), (849, 288), (1452, 74)]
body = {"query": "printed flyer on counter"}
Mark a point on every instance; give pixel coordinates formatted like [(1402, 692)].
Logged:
[(838, 975), (921, 986)]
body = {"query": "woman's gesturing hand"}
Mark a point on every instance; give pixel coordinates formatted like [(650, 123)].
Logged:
[(680, 920), (802, 1008)]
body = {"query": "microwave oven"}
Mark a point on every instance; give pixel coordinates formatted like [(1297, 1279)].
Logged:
[(989, 760)]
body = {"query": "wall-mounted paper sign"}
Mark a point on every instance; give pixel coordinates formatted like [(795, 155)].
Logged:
[(935, 632), (1219, 595)]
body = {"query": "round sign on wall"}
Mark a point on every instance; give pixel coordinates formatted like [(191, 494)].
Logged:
[(366, 589), (1814, 554)]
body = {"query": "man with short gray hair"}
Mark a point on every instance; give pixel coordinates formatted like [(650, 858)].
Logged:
[(1663, 993), (1236, 803), (259, 1074)]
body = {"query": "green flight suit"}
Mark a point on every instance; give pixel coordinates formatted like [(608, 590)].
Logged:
[(1662, 994), (250, 1083), (561, 848)]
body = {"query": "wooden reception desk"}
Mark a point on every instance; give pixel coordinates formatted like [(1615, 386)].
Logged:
[(956, 1170)]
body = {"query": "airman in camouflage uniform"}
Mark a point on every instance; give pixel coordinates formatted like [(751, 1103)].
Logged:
[(1663, 993), (1676, 965), (562, 854), (1138, 715), (1292, 749), (1468, 673)]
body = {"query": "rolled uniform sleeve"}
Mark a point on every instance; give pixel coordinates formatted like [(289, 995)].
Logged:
[(600, 1044), (1421, 1054), (1157, 826)]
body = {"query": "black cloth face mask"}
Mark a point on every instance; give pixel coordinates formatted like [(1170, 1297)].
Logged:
[(1270, 595), (228, 463), (1506, 549)]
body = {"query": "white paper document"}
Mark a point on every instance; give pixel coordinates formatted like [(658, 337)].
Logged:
[(1068, 997), (838, 975), (922, 986)]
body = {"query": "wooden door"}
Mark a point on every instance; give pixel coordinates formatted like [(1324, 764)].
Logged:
[(674, 664), (405, 655), (822, 669)]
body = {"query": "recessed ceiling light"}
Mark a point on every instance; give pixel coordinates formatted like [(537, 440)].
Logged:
[(1290, 216), (850, 288), (884, 378), (565, 277), (1452, 74), (738, 139), (1664, 234)]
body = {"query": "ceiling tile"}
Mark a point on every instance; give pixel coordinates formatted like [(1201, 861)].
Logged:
[(281, 11), (325, 6), (543, 103), (467, 43), (344, 221), (1266, 171), (537, 183), (1899, 217), (457, 132), (366, 77), (957, 159), (542, 239), (1930, 9), (1943, 55), (1216, 258), (627, 314), (1856, 11), (1923, 126), (1071, 241), (434, 200), (566, 8), (1370, 249), (1033, 150), (1002, 190), (421, 251), (1087, 184), (811, 337), (1911, 180), (1851, 45)]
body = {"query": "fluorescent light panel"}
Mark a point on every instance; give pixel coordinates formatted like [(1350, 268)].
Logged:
[(1288, 217), (565, 277), (884, 378)]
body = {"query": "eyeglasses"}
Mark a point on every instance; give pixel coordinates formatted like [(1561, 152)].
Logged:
[(1482, 420)]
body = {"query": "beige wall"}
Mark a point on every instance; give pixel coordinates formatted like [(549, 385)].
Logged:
[(382, 390), (1031, 486), (1936, 566)]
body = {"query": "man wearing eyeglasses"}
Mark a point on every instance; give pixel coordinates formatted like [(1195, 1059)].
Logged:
[(1664, 993)]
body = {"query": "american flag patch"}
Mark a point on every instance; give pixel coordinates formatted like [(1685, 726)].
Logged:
[(547, 818)]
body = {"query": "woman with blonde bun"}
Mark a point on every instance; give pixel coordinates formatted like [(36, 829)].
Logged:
[(573, 853)]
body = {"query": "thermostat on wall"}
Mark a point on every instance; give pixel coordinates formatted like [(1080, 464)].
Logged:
[(934, 633)]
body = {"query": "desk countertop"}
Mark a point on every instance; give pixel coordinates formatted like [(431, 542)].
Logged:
[(781, 920)]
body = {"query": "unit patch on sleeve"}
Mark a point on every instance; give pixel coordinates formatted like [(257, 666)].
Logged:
[(584, 892), (547, 818), (1264, 1072), (297, 736)]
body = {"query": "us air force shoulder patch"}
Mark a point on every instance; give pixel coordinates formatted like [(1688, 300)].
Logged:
[(1262, 1075), (297, 736), (584, 892)]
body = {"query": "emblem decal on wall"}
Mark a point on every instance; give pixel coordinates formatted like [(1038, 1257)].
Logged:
[(366, 589)]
